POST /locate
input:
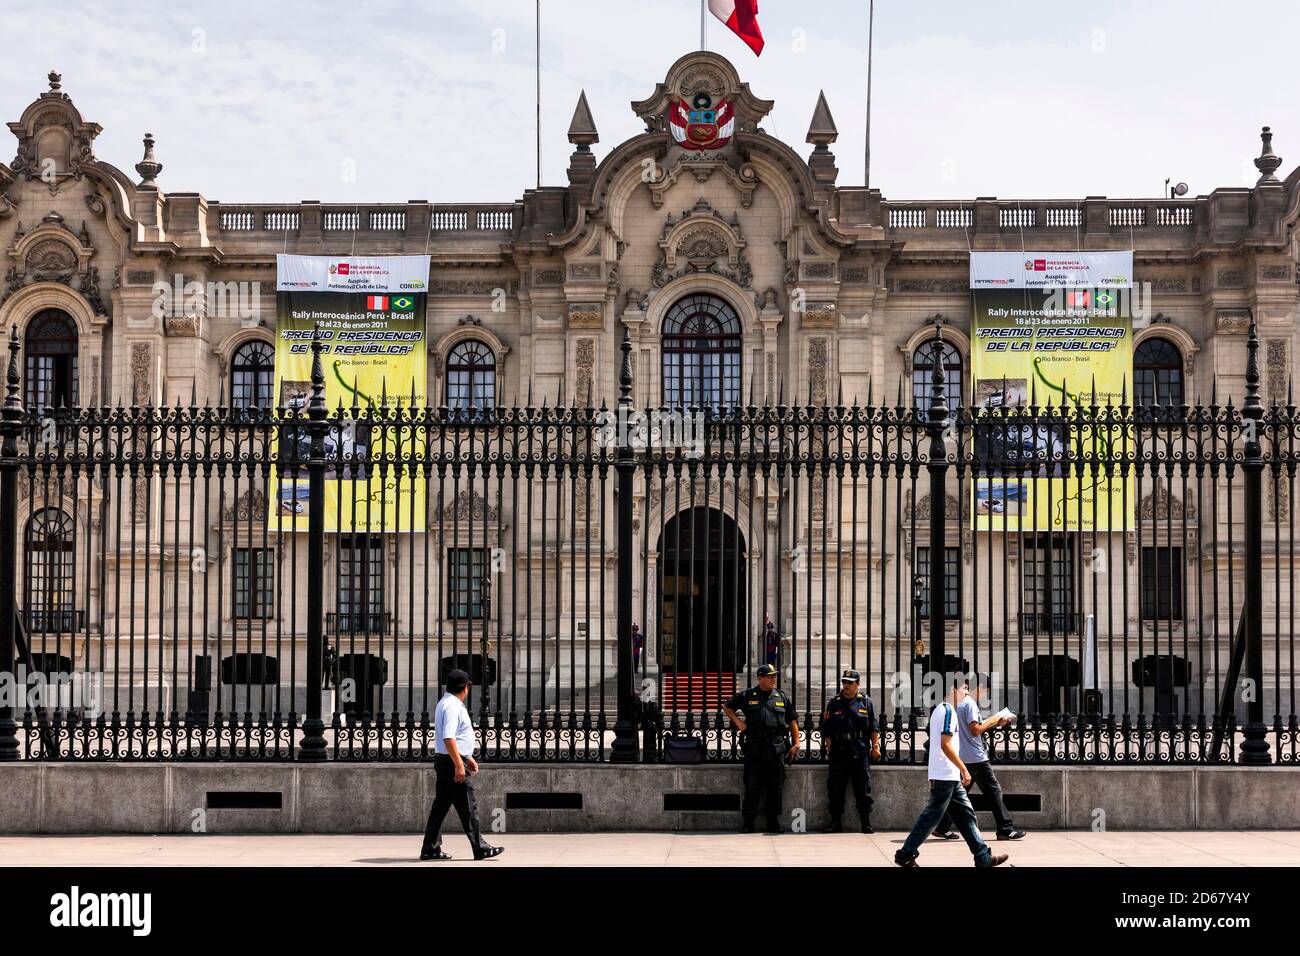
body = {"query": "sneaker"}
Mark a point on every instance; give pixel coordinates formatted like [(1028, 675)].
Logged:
[(833, 827), (997, 860), (1012, 835), (946, 835), (907, 862), (434, 855), (488, 852)]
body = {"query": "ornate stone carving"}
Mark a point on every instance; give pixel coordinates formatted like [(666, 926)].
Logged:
[(636, 299), (250, 506), (855, 275), (1160, 505), (1276, 371), (140, 276), (953, 510), (818, 359), (585, 362), (1275, 273), (702, 243), (584, 270), (183, 326), (941, 285), (819, 270), (1232, 321), (586, 315), (1167, 284), (468, 506), (548, 277), (51, 260), (141, 373), (1230, 279), (819, 315), (471, 287)]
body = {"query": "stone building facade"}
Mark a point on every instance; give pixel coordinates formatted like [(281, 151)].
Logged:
[(830, 290)]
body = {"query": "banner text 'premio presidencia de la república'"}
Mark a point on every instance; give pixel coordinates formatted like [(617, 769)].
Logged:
[(370, 311), (1051, 328)]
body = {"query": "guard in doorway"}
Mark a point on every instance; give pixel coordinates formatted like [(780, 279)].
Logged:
[(770, 735)]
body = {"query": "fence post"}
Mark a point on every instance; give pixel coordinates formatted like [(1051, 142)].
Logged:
[(1254, 749), (10, 427), (624, 749), (938, 468), (313, 727)]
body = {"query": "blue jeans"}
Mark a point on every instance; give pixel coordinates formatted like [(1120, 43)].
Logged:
[(949, 796)]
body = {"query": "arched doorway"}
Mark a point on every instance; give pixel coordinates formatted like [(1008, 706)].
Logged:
[(702, 598)]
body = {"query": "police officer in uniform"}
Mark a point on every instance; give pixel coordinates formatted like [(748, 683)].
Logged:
[(770, 734), (852, 738)]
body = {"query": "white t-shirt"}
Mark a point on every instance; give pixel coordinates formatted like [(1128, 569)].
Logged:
[(451, 719), (943, 720)]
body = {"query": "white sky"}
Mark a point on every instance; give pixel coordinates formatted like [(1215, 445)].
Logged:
[(389, 100)]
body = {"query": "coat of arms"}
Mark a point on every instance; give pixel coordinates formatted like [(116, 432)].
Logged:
[(701, 124)]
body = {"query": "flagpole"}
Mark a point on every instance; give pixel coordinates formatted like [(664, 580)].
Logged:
[(538, 64), (871, 25), (703, 40)]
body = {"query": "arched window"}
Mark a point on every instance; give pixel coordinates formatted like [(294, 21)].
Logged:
[(50, 548), (471, 377), (923, 372), (51, 350), (1157, 373), (252, 375), (701, 349)]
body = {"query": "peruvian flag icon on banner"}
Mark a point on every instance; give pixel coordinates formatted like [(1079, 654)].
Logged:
[(377, 303), (741, 18)]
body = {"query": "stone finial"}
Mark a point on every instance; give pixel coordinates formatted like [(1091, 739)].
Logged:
[(822, 131), (1268, 161), (148, 167), (582, 128), (56, 81)]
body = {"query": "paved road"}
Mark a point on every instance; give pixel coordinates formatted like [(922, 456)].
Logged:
[(1047, 848)]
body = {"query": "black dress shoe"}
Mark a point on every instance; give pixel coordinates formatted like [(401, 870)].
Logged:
[(747, 827), (833, 827), (867, 827), (908, 862), (434, 855), (488, 852)]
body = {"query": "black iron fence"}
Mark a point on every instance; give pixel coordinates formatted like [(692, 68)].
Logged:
[(241, 583)]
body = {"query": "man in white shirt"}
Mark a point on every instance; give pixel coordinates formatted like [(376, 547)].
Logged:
[(949, 779), (455, 766)]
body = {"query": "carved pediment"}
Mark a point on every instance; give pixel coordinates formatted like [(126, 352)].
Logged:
[(54, 142), (468, 506), (1161, 505), (702, 240)]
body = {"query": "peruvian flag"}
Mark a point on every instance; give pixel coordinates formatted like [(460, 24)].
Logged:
[(741, 18), (377, 303)]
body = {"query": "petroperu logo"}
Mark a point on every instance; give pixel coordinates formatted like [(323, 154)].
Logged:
[(75, 909)]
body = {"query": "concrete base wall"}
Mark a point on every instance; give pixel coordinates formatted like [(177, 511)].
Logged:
[(395, 798)]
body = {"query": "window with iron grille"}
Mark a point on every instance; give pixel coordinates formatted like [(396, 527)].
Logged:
[(1162, 584), (51, 350), (252, 375), (1157, 373), (471, 378), (701, 354), (465, 580), (951, 582), (254, 583), (50, 550), (923, 375), (361, 583), (1047, 596)]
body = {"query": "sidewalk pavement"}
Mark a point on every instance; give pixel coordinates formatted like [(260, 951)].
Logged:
[(1163, 848)]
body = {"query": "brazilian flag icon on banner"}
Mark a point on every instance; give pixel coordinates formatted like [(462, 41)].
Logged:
[(403, 303)]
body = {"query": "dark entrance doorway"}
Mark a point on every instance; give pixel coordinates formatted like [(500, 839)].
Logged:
[(702, 601)]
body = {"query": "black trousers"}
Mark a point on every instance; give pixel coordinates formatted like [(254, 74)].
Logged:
[(447, 794), (982, 776), (845, 768), (764, 775)]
